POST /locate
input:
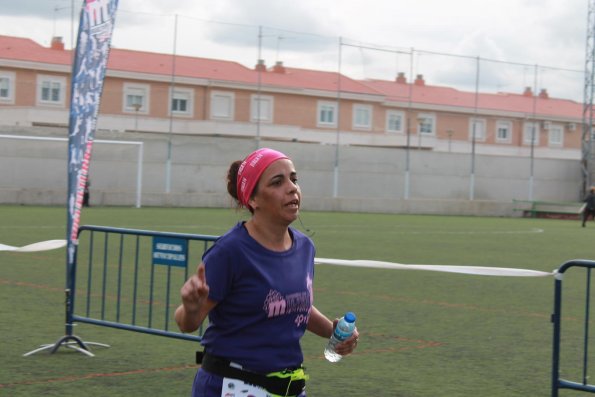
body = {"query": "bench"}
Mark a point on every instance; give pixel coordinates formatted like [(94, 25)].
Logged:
[(549, 209)]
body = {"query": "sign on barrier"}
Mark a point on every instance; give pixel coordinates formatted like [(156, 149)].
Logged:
[(170, 251), (128, 279)]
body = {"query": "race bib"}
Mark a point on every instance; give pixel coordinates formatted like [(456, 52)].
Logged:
[(238, 388)]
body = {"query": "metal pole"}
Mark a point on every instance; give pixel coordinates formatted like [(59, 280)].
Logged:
[(136, 107), (473, 135), (259, 74), (586, 336), (587, 118), (556, 319), (139, 175), (72, 43), (533, 132), (409, 118), (171, 109), (336, 171)]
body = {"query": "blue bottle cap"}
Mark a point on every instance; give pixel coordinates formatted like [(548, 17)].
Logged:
[(350, 317)]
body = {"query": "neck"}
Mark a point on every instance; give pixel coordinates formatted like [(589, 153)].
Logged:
[(274, 237)]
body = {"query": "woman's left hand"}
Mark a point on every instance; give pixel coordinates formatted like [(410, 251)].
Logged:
[(347, 346)]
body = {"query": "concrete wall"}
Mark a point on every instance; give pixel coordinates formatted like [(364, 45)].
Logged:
[(370, 179)]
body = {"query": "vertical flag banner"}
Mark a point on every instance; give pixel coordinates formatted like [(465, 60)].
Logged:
[(88, 71)]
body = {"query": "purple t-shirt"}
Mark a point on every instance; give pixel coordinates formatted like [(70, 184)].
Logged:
[(264, 299)]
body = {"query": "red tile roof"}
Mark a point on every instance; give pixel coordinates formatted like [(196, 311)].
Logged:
[(16, 48), (202, 68), (23, 49), (505, 102)]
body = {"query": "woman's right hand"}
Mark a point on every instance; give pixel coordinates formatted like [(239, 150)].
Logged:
[(195, 290), (196, 304)]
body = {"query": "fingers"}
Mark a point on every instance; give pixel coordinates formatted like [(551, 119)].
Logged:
[(348, 346), (199, 281), (201, 273), (352, 341), (195, 289), (203, 287)]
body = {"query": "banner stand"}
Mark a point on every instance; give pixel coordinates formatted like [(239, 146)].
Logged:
[(69, 340), (96, 26)]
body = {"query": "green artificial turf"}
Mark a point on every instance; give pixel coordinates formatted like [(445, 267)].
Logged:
[(423, 334)]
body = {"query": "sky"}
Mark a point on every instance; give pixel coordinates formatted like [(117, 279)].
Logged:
[(484, 45)]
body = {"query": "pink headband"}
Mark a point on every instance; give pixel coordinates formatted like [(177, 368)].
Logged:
[(251, 169)]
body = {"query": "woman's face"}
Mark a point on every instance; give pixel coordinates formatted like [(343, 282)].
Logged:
[(278, 195)]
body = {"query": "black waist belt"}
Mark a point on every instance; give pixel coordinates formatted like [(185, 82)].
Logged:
[(220, 366)]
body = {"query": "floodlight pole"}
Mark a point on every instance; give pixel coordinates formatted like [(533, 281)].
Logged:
[(171, 109), (587, 116)]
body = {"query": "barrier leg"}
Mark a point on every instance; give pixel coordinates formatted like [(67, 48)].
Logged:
[(70, 341)]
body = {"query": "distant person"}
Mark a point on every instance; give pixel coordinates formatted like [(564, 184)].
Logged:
[(255, 286), (86, 194), (589, 208)]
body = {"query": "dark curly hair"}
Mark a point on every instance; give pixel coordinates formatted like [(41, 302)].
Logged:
[(232, 183)]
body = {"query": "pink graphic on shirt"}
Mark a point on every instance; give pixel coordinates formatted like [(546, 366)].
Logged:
[(276, 304)]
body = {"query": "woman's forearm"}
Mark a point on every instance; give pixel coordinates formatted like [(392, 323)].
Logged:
[(319, 324)]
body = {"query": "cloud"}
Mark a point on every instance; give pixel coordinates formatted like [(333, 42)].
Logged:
[(292, 16), (36, 8), (305, 34), (290, 26)]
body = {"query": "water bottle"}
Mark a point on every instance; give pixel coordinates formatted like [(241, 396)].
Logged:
[(343, 331)]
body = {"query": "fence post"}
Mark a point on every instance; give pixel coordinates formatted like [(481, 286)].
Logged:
[(557, 382), (556, 320)]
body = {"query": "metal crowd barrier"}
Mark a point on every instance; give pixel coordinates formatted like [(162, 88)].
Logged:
[(128, 279), (557, 381)]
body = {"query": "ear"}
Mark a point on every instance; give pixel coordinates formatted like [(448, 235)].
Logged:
[(252, 203)]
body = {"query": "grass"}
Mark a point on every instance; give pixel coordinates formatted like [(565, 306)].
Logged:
[(423, 334)]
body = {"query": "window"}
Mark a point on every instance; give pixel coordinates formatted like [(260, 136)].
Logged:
[(327, 114), (179, 105), (182, 102), (6, 87), (136, 98), (477, 129), (395, 121), (531, 133), (503, 131), (261, 108), (556, 135), (426, 124), (51, 90), (362, 116), (222, 105)]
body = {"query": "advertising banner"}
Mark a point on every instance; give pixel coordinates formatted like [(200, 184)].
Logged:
[(88, 71)]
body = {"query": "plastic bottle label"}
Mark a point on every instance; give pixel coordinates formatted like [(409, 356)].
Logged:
[(342, 334)]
